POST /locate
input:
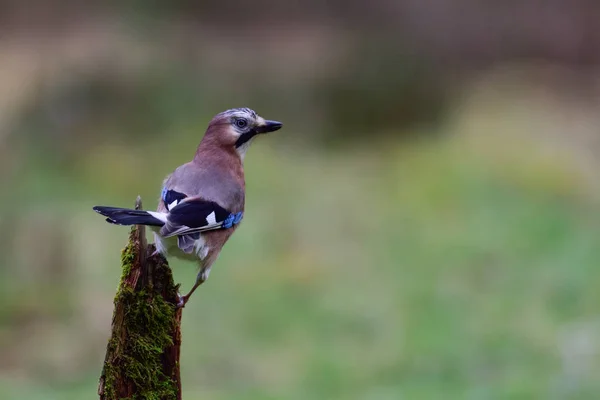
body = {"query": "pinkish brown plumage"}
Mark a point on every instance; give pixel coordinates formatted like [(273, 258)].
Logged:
[(202, 201)]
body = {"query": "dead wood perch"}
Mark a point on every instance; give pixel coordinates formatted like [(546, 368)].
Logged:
[(142, 355)]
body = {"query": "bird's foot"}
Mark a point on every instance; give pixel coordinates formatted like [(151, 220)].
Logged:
[(182, 300)]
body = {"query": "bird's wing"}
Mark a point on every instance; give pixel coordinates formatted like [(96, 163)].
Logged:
[(171, 198), (190, 215), (216, 184)]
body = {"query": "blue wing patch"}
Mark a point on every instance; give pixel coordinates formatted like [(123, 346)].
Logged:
[(233, 219)]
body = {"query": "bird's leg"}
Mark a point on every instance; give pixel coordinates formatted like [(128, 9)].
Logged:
[(200, 279)]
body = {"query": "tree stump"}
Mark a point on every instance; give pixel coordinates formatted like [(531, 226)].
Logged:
[(142, 355)]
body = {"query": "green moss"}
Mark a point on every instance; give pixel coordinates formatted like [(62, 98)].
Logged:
[(127, 259), (146, 331), (148, 320)]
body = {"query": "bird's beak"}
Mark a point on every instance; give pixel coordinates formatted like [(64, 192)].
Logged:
[(268, 126)]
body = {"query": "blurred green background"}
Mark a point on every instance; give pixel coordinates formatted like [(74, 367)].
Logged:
[(425, 226)]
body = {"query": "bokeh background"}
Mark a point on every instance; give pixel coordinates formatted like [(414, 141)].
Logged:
[(425, 226)]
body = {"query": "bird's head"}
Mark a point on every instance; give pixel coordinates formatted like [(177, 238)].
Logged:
[(237, 127)]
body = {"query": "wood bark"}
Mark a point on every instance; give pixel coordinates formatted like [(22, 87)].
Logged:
[(142, 355)]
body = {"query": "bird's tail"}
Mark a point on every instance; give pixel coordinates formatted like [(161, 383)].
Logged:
[(126, 216)]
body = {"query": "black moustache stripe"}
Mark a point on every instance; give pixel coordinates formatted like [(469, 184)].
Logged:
[(244, 137)]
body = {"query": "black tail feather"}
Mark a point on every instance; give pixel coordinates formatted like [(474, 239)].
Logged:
[(126, 216)]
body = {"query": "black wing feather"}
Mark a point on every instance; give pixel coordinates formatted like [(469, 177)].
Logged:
[(193, 213), (190, 216), (170, 196), (126, 216)]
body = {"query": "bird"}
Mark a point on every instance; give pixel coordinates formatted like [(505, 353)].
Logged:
[(201, 202)]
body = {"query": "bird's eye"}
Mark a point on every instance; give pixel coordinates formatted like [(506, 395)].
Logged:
[(241, 123)]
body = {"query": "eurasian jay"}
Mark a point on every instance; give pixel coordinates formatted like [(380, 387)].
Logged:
[(202, 202)]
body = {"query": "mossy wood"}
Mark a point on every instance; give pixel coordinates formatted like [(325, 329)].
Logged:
[(142, 356)]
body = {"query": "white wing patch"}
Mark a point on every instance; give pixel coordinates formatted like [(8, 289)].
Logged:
[(173, 204), (158, 215), (211, 218)]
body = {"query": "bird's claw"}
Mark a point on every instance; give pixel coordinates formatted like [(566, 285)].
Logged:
[(181, 302)]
